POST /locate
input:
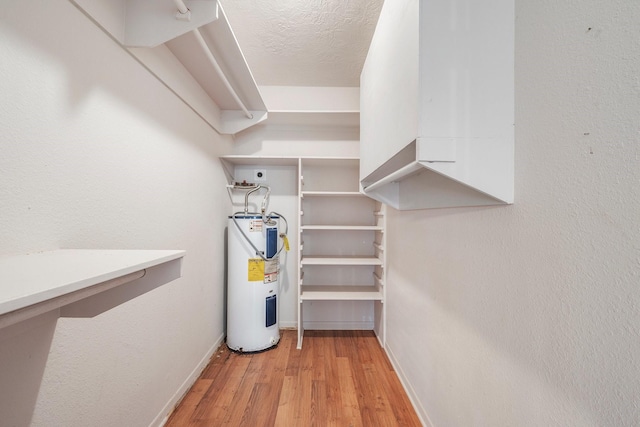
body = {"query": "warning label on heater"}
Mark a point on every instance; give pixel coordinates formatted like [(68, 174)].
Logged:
[(271, 270), (255, 270), (255, 225)]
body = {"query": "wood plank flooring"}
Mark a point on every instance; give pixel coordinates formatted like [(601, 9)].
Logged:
[(339, 378)]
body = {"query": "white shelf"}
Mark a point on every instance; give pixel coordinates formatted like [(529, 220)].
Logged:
[(342, 227), (333, 118), (332, 194), (240, 159), (340, 293), (344, 260), (260, 160), (29, 281)]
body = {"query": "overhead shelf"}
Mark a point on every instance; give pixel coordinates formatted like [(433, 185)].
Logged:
[(314, 107), (196, 55), (36, 283), (259, 160), (332, 118), (444, 135)]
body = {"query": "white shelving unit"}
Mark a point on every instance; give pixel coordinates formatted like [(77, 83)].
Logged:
[(341, 238), (340, 233), (40, 282)]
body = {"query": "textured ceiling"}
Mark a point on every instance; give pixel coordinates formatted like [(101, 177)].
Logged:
[(304, 42)]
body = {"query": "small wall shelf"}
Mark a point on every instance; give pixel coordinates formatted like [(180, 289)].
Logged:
[(36, 283), (345, 119)]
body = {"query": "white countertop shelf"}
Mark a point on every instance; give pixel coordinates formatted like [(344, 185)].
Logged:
[(33, 279), (340, 293), (340, 260), (335, 118)]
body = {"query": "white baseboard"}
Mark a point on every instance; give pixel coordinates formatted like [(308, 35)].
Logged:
[(422, 414), (337, 325), (164, 414), (288, 324)]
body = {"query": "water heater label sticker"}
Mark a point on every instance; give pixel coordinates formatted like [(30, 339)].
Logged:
[(271, 270), (255, 225), (256, 269)]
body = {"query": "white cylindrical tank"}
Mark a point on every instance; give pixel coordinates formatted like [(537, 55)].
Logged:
[(252, 283)]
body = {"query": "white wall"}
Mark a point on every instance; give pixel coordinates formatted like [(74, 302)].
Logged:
[(96, 153), (529, 315)]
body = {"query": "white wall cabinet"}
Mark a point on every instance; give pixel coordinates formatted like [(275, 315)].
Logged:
[(437, 104), (339, 247)]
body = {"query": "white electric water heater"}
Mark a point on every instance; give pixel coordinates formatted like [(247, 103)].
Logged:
[(252, 282)]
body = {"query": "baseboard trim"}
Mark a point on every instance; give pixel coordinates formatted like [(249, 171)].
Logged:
[(337, 325), (422, 414), (288, 325), (164, 414)]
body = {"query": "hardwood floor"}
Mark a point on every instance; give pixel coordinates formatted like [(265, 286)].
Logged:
[(339, 378)]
